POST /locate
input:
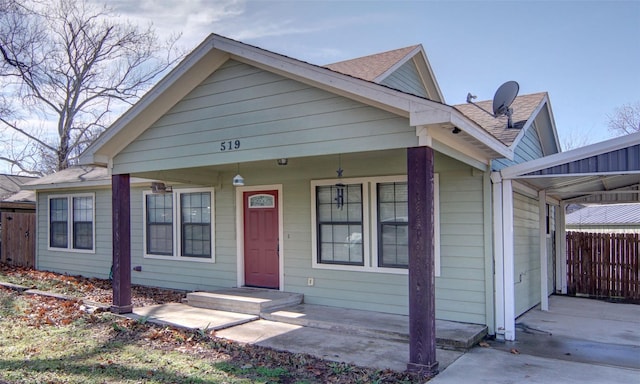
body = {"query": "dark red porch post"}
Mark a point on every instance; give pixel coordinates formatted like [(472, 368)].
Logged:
[(422, 299), (120, 197)]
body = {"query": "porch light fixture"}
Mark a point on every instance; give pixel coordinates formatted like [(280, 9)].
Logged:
[(456, 130), (339, 186), (157, 187), (283, 161), (238, 181)]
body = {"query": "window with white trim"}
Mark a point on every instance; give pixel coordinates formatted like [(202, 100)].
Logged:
[(179, 225), (347, 237), (339, 225), (71, 222)]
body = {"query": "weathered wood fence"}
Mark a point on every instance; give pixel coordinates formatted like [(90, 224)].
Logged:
[(18, 238), (604, 265)]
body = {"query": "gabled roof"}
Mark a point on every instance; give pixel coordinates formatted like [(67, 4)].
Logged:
[(523, 107), (377, 67), (216, 50), (609, 214), (371, 67)]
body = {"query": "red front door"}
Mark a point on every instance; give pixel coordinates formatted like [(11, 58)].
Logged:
[(261, 243)]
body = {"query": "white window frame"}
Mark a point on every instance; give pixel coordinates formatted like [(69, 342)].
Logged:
[(365, 225), (177, 232), (370, 224), (69, 247)]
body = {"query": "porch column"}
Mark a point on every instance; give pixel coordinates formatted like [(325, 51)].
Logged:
[(422, 314), (508, 261), (561, 249), (544, 267), (120, 197)]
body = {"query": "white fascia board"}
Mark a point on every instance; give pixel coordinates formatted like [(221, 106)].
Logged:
[(471, 128), (423, 115), (529, 122), (430, 73), (516, 171), (553, 123), (158, 91)]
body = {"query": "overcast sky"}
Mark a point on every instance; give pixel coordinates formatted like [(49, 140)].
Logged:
[(585, 54)]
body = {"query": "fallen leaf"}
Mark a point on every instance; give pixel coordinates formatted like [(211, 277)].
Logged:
[(484, 344), (514, 351)]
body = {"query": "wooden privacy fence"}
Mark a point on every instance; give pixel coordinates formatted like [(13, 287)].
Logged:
[(604, 265), (17, 245)]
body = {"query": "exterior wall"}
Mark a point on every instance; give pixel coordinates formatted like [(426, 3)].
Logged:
[(95, 264), (529, 148), (406, 79), (526, 222), (259, 113)]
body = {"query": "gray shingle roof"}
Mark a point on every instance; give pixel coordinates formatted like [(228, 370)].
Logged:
[(370, 67), (10, 184), (523, 107)]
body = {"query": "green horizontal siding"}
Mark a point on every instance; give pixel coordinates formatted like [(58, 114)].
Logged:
[(406, 79), (529, 148), (96, 264), (526, 252), (269, 114)]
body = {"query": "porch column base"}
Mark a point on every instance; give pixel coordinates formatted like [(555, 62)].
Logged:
[(425, 371), (120, 309)]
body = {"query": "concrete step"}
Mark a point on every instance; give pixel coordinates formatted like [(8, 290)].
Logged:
[(253, 301), (449, 334)]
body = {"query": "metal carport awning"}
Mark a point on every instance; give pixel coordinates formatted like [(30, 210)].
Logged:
[(606, 172)]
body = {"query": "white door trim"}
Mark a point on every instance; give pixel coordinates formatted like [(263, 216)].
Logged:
[(240, 230)]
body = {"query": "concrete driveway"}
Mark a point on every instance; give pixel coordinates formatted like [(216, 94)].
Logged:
[(577, 341)]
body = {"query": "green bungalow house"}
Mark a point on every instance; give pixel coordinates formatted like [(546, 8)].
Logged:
[(353, 184)]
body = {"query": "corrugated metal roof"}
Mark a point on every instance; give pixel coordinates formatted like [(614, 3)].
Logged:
[(610, 214)]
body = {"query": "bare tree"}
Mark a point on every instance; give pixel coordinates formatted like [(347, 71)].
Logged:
[(67, 69), (626, 119)]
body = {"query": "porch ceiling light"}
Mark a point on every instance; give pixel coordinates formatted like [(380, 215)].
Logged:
[(238, 181), (283, 161)]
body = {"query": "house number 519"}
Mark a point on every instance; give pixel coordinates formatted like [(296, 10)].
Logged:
[(229, 145)]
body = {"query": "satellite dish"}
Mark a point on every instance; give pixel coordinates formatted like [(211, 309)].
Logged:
[(503, 98)]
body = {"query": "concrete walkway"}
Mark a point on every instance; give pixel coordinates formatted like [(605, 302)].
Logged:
[(577, 341)]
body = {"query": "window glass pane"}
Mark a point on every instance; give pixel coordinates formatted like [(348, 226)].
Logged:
[(340, 228), (393, 234), (159, 224), (58, 228), (83, 222), (82, 235), (196, 224)]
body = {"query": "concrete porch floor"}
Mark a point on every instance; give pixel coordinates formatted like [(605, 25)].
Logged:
[(364, 338)]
